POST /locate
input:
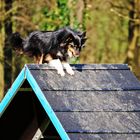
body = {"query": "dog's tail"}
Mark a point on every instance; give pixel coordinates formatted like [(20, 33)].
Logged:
[(17, 42)]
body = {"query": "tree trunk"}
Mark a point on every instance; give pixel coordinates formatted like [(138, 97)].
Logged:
[(7, 48), (1, 51), (80, 13), (77, 13), (133, 33)]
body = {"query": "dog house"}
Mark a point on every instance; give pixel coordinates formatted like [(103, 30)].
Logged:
[(100, 102)]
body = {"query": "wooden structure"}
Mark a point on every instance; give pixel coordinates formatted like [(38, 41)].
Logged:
[(100, 102)]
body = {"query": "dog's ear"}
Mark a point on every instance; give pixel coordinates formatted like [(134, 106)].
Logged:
[(83, 40), (82, 35)]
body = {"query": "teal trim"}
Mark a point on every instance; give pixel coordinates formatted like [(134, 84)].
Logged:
[(12, 91), (46, 105), (26, 74)]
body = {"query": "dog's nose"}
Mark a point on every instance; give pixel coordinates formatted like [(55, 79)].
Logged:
[(77, 53)]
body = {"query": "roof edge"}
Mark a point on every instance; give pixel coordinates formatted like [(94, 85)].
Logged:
[(61, 131), (83, 66)]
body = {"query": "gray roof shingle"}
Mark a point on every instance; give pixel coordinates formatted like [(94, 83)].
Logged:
[(98, 102)]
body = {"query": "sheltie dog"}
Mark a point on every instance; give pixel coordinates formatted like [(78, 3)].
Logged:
[(52, 47)]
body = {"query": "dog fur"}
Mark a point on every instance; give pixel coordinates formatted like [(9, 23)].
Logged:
[(52, 47)]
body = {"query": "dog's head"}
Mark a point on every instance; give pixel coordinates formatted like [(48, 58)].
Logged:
[(73, 43), (76, 44)]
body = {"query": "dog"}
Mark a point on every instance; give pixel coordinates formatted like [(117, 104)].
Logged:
[(52, 47)]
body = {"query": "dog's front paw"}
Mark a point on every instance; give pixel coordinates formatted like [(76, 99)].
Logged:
[(58, 66), (61, 72), (70, 71), (68, 68)]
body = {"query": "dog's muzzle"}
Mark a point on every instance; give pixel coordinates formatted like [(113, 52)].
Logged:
[(72, 52)]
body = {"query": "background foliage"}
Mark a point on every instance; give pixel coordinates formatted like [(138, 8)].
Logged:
[(113, 30)]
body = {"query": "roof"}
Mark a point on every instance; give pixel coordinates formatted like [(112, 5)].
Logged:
[(101, 101)]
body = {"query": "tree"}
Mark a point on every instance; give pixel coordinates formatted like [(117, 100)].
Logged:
[(133, 33), (7, 48), (1, 49), (130, 10)]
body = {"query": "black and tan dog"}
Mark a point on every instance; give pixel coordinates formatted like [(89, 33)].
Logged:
[(53, 47)]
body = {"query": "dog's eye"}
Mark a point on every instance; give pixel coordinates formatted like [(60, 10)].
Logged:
[(76, 46), (71, 44)]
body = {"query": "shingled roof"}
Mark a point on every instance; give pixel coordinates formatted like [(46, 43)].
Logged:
[(100, 102)]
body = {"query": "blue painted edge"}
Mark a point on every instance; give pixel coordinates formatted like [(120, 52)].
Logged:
[(12, 91), (46, 105)]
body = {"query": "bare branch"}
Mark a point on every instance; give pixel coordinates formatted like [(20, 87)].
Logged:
[(26, 22), (128, 8), (137, 21)]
